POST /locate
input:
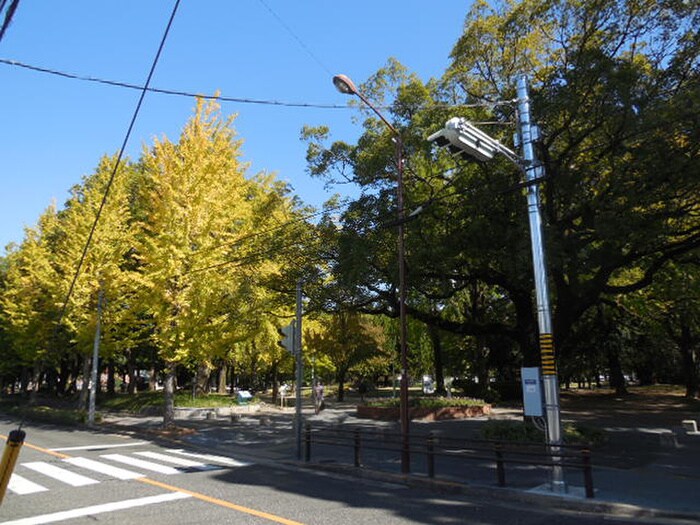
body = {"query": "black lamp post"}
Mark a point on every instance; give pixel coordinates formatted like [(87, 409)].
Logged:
[(346, 86)]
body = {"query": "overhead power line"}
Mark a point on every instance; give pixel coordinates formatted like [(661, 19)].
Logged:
[(221, 98), (301, 43), (117, 83), (116, 164), (8, 15)]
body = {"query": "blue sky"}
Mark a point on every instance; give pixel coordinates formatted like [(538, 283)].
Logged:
[(53, 130)]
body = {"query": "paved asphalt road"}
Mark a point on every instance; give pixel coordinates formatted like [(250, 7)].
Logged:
[(69, 476)]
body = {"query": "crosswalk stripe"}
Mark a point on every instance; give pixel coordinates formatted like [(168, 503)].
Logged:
[(210, 458), (172, 459), (21, 486), (103, 468), (100, 447), (98, 509), (61, 474), (140, 463)]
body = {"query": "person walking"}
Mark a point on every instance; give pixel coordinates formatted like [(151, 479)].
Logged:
[(318, 401)]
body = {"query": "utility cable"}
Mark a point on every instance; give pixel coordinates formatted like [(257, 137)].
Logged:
[(117, 83), (8, 15), (290, 222), (295, 37), (116, 165), (223, 98)]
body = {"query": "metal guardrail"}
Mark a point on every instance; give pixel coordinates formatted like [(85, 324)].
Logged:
[(432, 446)]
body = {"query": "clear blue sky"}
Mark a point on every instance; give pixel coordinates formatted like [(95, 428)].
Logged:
[(53, 130)]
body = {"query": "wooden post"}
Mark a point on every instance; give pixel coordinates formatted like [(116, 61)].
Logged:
[(500, 468), (431, 455)]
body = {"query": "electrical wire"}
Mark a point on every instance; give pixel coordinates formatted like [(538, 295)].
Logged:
[(117, 83), (116, 165), (295, 37), (224, 98), (8, 15), (236, 242)]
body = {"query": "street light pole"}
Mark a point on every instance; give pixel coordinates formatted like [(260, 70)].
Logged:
[(544, 317), (346, 86), (463, 138)]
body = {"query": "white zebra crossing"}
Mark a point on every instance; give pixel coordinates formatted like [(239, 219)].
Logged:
[(142, 464), (20, 485), (175, 461), (66, 476), (103, 468)]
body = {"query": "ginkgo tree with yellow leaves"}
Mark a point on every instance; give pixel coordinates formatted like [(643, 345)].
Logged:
[(201, 247), (195, 259)]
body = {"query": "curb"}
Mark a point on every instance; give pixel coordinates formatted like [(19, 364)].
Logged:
[(484, 492), (492, 493)]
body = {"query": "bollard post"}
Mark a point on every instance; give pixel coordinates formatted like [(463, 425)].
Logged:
[(500, 468), (431, 455), (587, 473), (358, 446), (307, 443), (9, 458)]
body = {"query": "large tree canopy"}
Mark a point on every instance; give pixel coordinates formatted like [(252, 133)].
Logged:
[(615, 89)]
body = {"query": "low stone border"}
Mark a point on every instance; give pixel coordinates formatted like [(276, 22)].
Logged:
[(427, 414)]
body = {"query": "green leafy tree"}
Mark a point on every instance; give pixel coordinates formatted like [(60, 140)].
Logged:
[(347, 339), (30, 299), (614, 86)]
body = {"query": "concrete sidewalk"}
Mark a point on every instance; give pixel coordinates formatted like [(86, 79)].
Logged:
[(648, 473)]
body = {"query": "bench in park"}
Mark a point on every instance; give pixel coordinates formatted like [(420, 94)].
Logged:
[(691, 427)]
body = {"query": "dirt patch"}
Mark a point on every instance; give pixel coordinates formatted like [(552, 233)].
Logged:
[(641, 407), (173, 432), (633, 422)]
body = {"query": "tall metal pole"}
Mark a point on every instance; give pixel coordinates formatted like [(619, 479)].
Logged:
[(95, 359), (403, 400), (300, 370), (346, 86), (544, 318)]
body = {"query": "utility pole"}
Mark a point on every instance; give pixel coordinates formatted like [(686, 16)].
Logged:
[(533, 171), (463, 138), (95, 359), (300, 370)]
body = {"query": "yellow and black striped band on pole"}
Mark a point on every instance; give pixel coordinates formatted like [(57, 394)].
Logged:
[(547, 353)]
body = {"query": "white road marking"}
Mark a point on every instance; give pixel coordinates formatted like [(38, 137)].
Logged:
[(100, 447), (103, 468), (98, 509), (213, 459), (140, 463), (20, 485), (171, 459), (61, 474)]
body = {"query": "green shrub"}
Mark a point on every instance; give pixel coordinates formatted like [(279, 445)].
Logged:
[(511, 431), (518, 431), (426, 402), (144, 400)]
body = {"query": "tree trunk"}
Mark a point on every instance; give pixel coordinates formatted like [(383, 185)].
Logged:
[(110, 377), (169, 396), (617, 378), (341, 385), (690, 363), (131, 371), (85, 390), (275, 382), (36, 379), (152, 379), (437, 361), (223, 373), (202, 379)]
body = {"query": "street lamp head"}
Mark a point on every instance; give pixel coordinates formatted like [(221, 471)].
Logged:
[(464, 139), (343, 84)]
